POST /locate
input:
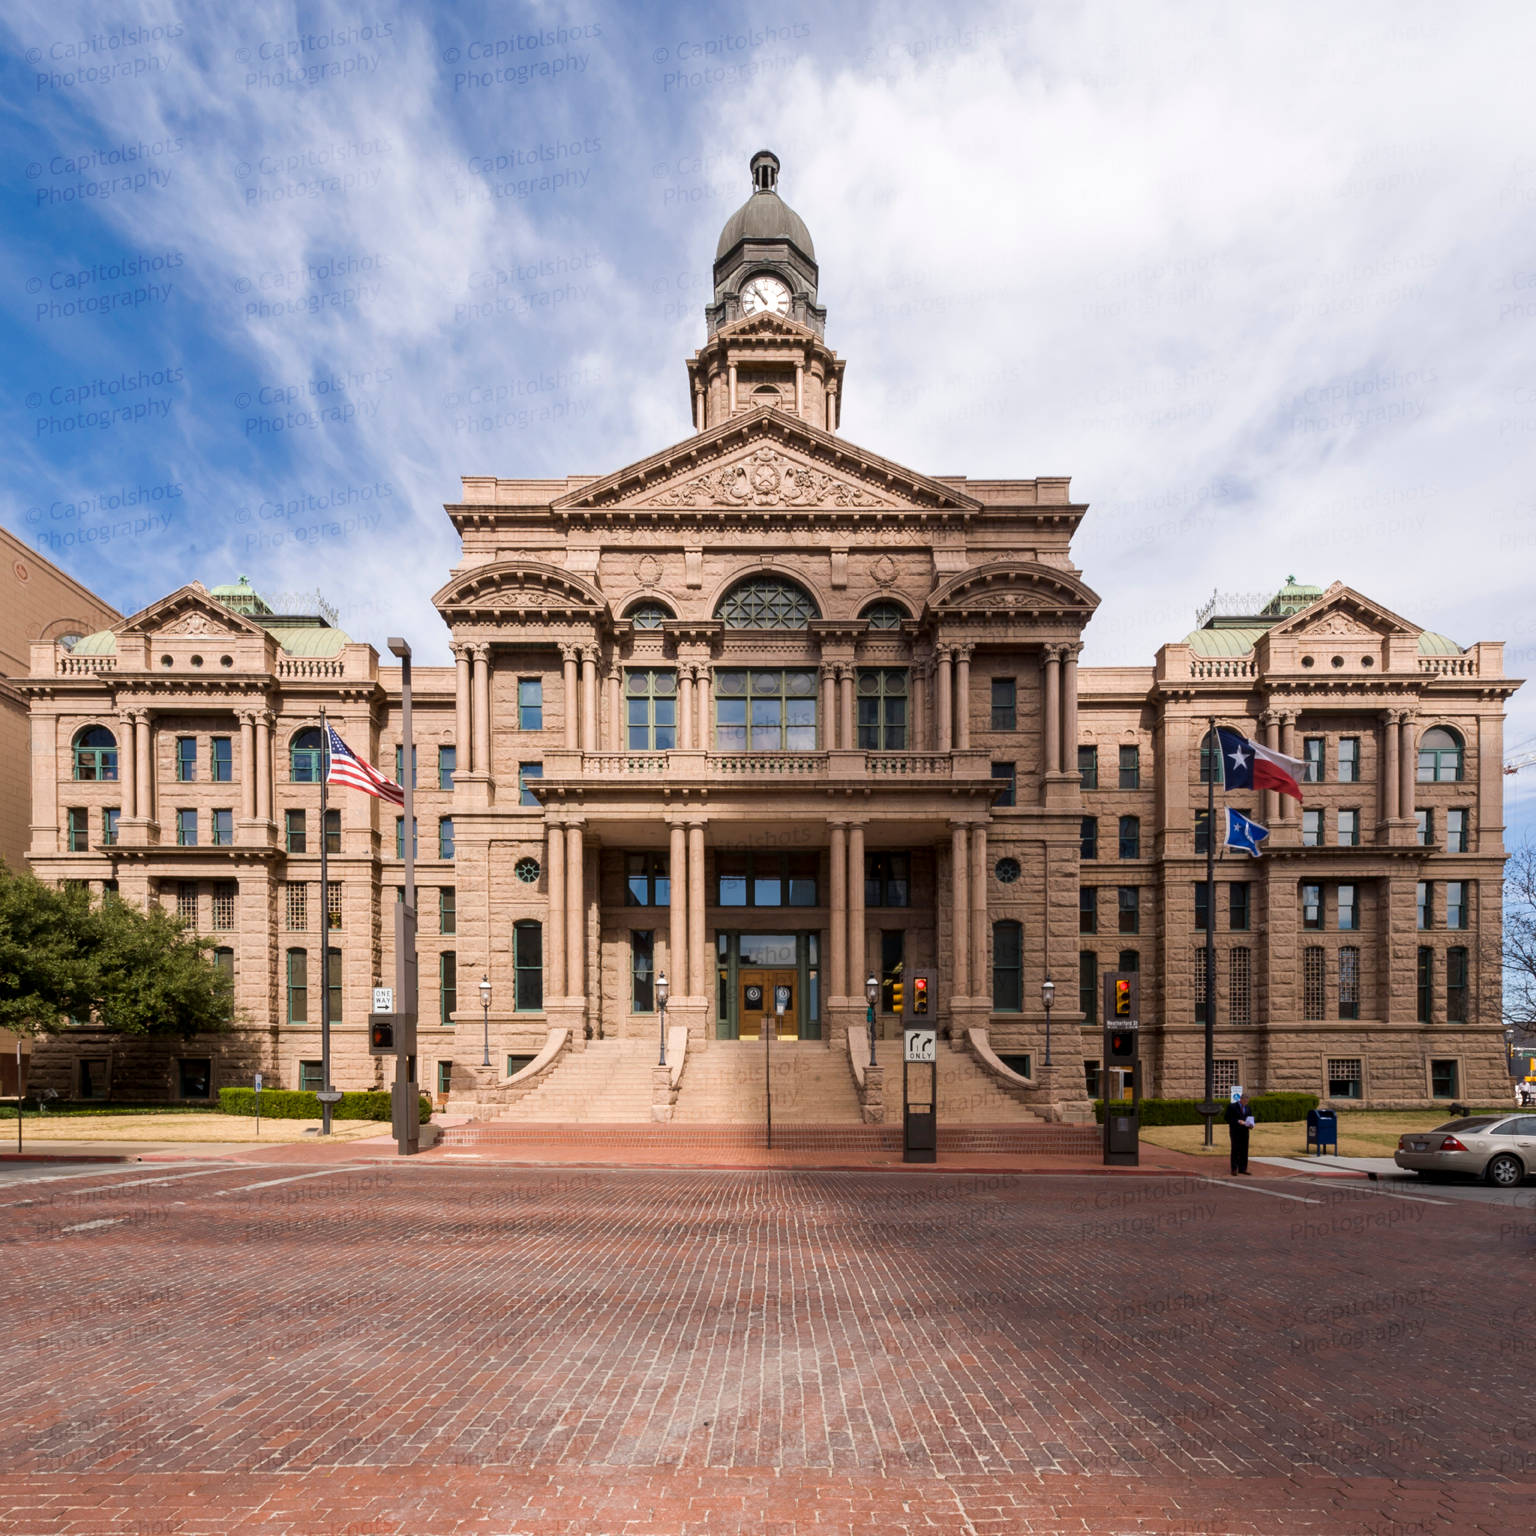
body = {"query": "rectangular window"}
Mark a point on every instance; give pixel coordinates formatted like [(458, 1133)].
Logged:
[(221, 758), (1444, 1079), (186, 901), (1345, 1079), (893, 950), (1311, 906), (1424, 821), (1349, 982), (1130, 837), (445, 837), (447, 986), (447, 911), (447, 766), (528, 967), (1456, 831), (298, 986), (194, 1077), (223, 828), (1312, 998), (400, 838), (224, 894), (333, 905), (1130, 767), (79, 830), (1455, 903), (1349, 915), (1349, 829), (1456, 985), (296, 906), (1425, 901), (1087, 909), (1088, 986), (1008, 967), (186, 759), (444, 1077), (400, 765), (333, 831), (1130, 909), (333, 983), (1088, 837), (1088, 766), (1091, 1077), (186, 829), (1202, 906), (1129, 960), (765, 709), (1206, 759), (1003, 773), (1202, 982), (526, 774), (1239, 906), (310, 1078), (646, 881), (530, 704), (1202, 831), (642, 970), (650, 709), (1005, 704), (1312, 757), (887, 879), (1239, 985), (882, 709), (1349, 759), (293, 832), (109, 820), (1312, 829), (1224, 1076), (1425, 984)]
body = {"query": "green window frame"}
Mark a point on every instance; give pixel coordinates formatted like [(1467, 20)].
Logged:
[(1130, 837), (311, 1076), (1456, 894), (1314, 757), (881, 704), (223, 828), (1130, 909), (447, 766), (298, 986), (186, 759), (1088, 766), (1456, 985), (1239, 905), (400, 764), (1130, 768), (1004, 774), (1202, 906), (1424, 903), (1088, 985), (400, 837), (1311, 906), (1007, 966), (1456, 840), (1349, 982), (1348, 828), (1087, 909), (221, 760), (1005, 704), (332, 830), (1088, 837), (79, 837), (447, 909), (649, 615), (1424, 827), (95, 755), (1424, 979), (445, 837), (295, 835), (650, 709), (525, 773), (305, 756), (765, 709), (110, 815), (1348, 907), (333, 983), (1348, 762), (528, 966), (186, 829), (447, 986), (1441, 756), (444, 1077), (1444, 1078)]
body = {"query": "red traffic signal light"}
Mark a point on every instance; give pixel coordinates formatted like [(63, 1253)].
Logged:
[(381, 1035), (1122, 999), (919, 994), (1122, 1045)]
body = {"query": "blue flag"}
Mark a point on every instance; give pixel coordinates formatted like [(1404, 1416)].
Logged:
[(1243, 833)]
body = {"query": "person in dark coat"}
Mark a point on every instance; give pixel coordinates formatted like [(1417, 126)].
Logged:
[(1239, 1119)]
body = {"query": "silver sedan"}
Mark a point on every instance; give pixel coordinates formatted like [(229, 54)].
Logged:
[(1498, 1148)]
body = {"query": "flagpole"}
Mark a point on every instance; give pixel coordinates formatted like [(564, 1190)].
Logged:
[(325, 933), (1213, 762)]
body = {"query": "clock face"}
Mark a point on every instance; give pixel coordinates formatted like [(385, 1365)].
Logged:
[(764, 292)]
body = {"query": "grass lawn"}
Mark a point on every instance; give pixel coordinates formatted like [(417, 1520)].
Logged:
[(177, 1125), (1362, 1133)]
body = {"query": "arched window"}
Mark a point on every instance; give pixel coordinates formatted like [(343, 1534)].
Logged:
[(304, 756), (649, 615), (885, 615), (95, 753), (767, 602), (1440, 756)]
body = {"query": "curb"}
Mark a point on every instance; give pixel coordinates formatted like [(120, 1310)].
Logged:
[(69, 1157)]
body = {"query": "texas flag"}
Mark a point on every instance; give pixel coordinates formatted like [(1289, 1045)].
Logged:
[(1247, 765)]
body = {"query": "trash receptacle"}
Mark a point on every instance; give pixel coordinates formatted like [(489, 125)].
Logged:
[(1322, 1131)]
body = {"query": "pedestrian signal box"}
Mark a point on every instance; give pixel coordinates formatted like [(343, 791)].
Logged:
[(391, 1034)]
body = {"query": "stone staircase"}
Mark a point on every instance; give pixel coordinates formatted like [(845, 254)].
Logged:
[(608, 1083), (968, 1093), (724, 1085)]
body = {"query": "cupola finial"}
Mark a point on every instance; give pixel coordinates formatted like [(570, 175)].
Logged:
[(765, 171)]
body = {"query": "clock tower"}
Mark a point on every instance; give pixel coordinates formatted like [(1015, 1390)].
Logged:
[(764, 326)]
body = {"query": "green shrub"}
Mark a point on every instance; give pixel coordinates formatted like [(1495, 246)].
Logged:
[(1266, 1107), (297, 1104)]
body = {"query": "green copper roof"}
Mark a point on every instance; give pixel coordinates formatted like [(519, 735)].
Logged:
[(1223, 642), (1432, 644), (1292, 598), (102, 643), (241, 596), (309, 641)]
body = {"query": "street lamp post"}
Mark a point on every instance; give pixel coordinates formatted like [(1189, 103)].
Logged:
[(661, 1008), (1048, 996), (406, 1133), (871, 996), (485, 1010)]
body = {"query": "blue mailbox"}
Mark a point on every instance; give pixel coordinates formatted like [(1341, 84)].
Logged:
[(1322, 1131)]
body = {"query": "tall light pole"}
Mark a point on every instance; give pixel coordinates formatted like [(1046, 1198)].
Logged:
[(871, 996), (326, 1099), (1212, 767), (406, 1133), (485, 1010), (661, 1008), (1047, 996)]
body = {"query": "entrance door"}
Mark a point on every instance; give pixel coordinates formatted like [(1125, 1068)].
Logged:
[(757, 1006)]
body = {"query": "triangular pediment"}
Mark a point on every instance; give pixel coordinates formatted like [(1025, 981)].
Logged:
[(769, 328), (1342, 613), (765, 460), (188, 611)]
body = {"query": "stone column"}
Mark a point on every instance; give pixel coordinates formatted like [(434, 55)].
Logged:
[(1288, 809), (617, 741), (960, 898), (685, 708), (1408, 763), (1051, 760), (697, 985), (482, 708), (588, 700), (828, 706), (703, 738), (554, 939), (264, 768), (143, 752), (979, 907), (856, 957), (963, 698), (1069, 655), (247, 766), (846, 738), (946, 707), (917, 723), (730, 409), (837, 935), (1270, 801), (677, 916), (1390, 740), (575, 913), (568, 678), (128, 763), (463, 743)]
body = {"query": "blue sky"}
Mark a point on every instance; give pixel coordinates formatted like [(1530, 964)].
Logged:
[(1262, 280)]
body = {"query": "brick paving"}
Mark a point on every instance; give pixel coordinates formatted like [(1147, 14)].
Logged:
[(311, 1349)]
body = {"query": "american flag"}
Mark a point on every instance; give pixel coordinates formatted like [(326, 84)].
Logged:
[(349, 769)]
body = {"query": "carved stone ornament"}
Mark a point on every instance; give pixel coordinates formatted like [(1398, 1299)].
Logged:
[(884, 570), (765, 478), (1338, 624), (1012, 602), (533, 597), (195, 624), (648, 569)]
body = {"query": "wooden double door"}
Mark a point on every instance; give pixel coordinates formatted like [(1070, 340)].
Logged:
[(759, 993)]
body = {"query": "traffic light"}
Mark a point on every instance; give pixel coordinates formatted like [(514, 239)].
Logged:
[(381, 1034), (1122, 997), (895, 997), (1122, 1046), (919, 995)]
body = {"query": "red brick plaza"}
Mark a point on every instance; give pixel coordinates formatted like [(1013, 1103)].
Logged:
[(317, 1349)]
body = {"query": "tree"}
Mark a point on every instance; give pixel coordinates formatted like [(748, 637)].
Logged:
[(64, 956), (1520, 942)]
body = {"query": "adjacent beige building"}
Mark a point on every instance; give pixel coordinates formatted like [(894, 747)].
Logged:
[(780, 718)]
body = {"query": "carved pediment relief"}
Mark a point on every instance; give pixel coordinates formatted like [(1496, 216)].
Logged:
[(1014, 587), (1342, 613), (189, 611), (507, 588), (1336, 624), (197, 624), (766, 477)]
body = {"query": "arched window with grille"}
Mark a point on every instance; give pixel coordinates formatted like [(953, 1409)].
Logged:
[(649, 615), (304, 756), (1440, 756), (95, 751), (885, 615), (767, 602)]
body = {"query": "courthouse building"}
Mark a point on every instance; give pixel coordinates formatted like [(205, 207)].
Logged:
[(774, 715)]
